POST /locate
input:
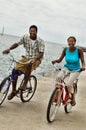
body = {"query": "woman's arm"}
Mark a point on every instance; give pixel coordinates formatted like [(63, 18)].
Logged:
[(60, 58), (82, 58)]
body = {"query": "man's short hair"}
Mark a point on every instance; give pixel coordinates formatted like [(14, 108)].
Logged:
[(33, 26)]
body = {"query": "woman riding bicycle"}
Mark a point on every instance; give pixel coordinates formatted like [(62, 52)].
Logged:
[(72, 55)]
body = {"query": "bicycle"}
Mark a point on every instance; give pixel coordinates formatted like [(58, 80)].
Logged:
[(60, 95), (25, 95)]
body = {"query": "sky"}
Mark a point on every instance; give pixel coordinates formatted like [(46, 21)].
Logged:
[(56, 19)]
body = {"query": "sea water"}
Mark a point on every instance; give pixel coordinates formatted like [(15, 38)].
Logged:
[(52, 52)]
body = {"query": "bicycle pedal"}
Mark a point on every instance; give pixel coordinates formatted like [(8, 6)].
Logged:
[(17, 93), (29, 88)]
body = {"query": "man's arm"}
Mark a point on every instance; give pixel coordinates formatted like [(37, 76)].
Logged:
[(15, 45), (39, 56)]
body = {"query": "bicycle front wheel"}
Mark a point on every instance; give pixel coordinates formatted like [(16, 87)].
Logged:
[(4, 89), (53, 105), (30, 90)]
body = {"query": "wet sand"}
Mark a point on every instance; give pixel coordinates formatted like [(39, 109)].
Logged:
[(15, 115)]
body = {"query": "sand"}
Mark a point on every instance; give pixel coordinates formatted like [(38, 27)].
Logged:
[(15, 115)]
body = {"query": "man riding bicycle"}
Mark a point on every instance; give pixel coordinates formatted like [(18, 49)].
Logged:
[(34, 51), (72, 55)]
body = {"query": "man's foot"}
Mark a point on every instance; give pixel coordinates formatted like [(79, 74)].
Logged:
[(22, 88), (11, 95)]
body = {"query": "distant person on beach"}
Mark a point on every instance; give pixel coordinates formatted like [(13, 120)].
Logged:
[(35, 47), (73, 55), (83, 48)]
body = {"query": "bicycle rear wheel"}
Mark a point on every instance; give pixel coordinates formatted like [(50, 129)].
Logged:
[(4, 89), (30, 90), (68, 107), (53, 105)]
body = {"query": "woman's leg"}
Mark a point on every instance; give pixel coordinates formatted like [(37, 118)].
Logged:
[(61, 75), (73, 76)]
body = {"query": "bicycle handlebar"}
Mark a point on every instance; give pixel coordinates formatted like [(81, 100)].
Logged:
[(23, 63), (59, 68)]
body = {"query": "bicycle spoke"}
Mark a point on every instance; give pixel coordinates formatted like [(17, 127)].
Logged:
[(30, 90), (3, 89), (54, 104)]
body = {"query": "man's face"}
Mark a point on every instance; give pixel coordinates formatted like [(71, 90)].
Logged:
[(33, 33)]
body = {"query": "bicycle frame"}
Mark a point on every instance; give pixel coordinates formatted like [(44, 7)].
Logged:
[(60, 95), (25, 95), (11, 78), (64, 96)]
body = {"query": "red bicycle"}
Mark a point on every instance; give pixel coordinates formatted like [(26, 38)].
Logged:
[(60, 95)]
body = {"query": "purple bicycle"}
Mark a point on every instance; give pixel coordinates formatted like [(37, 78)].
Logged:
[(25, 95)]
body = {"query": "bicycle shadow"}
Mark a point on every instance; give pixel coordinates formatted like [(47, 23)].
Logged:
[(74, 118)]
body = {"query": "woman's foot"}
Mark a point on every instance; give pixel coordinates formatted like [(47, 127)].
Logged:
[(73, 102)]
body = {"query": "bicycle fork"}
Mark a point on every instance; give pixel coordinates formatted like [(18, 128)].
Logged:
[(59, 94)]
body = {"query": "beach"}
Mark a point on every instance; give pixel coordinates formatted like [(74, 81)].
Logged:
[(15, 115)]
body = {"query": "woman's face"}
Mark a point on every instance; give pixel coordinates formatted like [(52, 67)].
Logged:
[(71, 42)]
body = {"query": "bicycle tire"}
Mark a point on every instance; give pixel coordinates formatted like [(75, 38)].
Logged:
[(68, 107), (3, 89), (53, 102), (26, 95)]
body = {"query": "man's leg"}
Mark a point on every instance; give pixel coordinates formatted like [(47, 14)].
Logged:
[(26, 77), (14, 82)]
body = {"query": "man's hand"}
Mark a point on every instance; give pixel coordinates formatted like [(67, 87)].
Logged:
[(6, 51), (33, 61)]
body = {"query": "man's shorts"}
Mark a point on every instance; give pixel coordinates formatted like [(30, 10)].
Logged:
[(22, 67)]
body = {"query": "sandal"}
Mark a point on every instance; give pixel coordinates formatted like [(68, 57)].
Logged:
[(11, 95), (73, 103)]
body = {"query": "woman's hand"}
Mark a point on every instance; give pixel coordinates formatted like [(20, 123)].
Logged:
[(54, 61)]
